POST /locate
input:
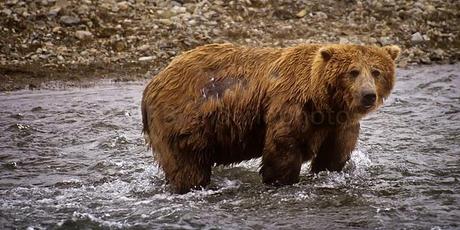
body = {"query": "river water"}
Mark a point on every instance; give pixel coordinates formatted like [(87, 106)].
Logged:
[(75, 158)]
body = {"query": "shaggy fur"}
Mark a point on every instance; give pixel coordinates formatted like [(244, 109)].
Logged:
[(221, 104)]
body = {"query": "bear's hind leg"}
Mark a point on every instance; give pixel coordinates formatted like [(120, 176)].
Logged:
[(184, 172)]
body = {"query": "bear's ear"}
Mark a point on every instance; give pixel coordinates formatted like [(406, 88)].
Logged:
[(393, 51), (326, 53)]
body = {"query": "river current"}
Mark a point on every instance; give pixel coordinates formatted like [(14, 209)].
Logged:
[(75, 158)]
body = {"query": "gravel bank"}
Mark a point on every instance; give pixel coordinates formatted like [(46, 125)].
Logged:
[(70, 40)]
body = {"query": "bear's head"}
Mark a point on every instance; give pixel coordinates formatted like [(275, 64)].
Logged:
[(355, 78)]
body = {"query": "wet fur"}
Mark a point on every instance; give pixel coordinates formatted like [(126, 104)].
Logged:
[(222, 104)]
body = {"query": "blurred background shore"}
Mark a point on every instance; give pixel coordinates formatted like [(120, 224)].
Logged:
[(76, 41)]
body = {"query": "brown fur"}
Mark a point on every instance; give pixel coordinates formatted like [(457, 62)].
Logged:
[(221, 104)]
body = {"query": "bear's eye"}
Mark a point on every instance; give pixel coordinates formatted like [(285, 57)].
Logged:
[(354, 73), (375, 73)]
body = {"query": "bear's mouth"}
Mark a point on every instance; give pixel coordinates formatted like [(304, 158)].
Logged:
[(366, 108)]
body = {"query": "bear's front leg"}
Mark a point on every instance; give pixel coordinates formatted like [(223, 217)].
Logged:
[(282, 157), (336, 149)]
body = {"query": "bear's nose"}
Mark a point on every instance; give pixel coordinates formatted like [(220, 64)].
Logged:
[(368, 99)]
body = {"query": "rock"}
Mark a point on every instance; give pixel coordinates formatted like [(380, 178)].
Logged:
[(282, 14), (430, 9), (190, 7), (437, 55), (372, 40), (165, 21), (69, 20), (417, 38), (219, 2), (146, 58), (425, 37), (7, 12), (54, 11), (385, 41), (301, 13), (403, 63), (107, 32), (83, 34), (439, 52), (344, 40), (119, 46), (61, 3), (178, 10), (191, 22), (93, 50), (319, 15), (124, 5), (143, 47), (83, 9), (44, 56), (115, 8), (425, 60), (56, 29), (11, 2)]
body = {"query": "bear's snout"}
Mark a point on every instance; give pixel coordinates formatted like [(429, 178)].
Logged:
[(368, 99)]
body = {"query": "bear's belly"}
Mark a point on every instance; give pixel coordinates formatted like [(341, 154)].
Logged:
[(313, 143), (233, 145)]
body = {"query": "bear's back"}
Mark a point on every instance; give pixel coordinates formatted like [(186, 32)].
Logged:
[(208, 72)]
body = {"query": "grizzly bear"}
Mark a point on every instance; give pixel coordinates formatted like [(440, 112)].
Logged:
[(221, 104)]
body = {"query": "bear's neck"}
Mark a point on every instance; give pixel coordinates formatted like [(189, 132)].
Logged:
[(297, 79)]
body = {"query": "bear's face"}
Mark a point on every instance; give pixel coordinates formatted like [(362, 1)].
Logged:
[(358, 77)]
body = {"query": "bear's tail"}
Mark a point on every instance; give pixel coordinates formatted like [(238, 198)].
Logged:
[(145, 122)]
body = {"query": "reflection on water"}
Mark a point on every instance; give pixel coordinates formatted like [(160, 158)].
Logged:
[(76, 158)]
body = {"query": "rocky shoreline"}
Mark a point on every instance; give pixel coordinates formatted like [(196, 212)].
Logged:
[(76, 41)]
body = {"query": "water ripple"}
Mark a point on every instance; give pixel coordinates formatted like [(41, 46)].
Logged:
[(76, 159)]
